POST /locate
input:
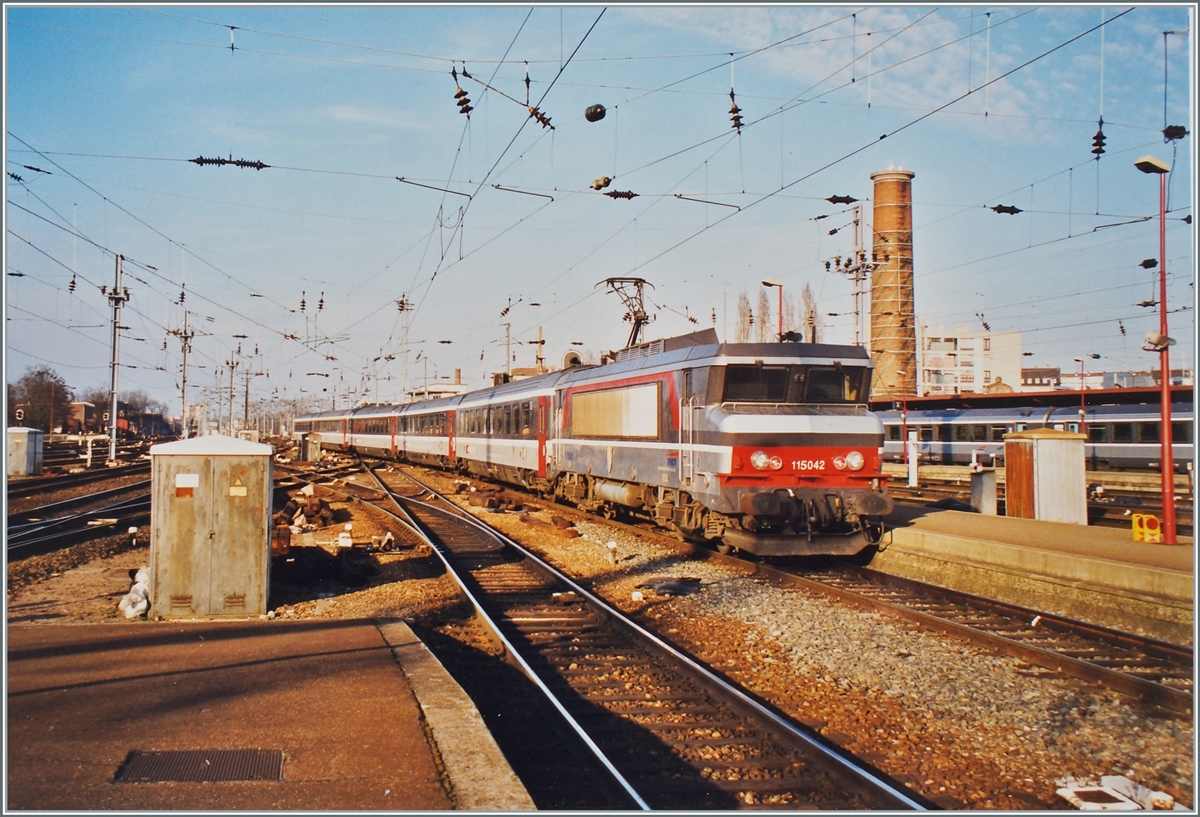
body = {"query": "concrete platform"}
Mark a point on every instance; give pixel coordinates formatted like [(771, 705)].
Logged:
[(366, 717), (1096, 574)]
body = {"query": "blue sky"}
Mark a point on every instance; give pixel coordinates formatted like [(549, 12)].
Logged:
[(987, 106)]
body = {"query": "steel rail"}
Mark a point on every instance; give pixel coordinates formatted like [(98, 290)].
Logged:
[(1176, 701), (21, 519), (134, 503), (846, 762), (33, 485), (512, 653), (1172, 700), (128, 514)]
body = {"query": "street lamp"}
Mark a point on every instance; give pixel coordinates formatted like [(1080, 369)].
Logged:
[(1150, 164), (1082, 389), (771, 282)]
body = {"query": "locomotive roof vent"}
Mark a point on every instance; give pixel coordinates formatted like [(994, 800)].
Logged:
[(705, 337)]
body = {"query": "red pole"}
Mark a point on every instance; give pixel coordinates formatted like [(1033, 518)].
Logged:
[(1168, 458)]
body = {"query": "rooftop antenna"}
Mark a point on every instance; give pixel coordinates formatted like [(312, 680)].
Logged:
[(632, 294)]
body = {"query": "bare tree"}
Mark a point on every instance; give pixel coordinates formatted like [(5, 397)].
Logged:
[(43, 397), (765, 323), (789, 313), (745, 319), (812, 321)]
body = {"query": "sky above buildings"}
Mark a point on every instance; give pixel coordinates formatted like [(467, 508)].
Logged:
[(390, 238)]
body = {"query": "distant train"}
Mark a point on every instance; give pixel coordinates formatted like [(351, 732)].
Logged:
[(1118, 436), (767, 448)]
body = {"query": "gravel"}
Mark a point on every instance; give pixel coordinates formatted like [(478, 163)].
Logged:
[(962, 727)]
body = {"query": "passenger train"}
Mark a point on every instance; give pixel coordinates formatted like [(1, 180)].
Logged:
[(767, 448), (1118, 436)]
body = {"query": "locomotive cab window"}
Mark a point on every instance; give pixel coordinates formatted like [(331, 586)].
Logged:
[(758, 383)]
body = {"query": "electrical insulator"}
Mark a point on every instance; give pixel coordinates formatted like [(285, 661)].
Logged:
[(594, 113), (104, 289), (302, 302), (1098, 140), (735, 116), (464, 102), (321, 303), (182, 295), (1173, 132), (601, 183), (71, 286), (621, 194), (542, 119)]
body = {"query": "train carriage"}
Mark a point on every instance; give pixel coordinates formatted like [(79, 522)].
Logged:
[(1118, 436)]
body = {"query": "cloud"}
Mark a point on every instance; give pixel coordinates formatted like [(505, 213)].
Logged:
[(379, 117)]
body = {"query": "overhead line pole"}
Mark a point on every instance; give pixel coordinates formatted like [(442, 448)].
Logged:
[(116, 299)]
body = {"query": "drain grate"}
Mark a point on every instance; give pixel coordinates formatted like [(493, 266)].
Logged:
[(201, 766)]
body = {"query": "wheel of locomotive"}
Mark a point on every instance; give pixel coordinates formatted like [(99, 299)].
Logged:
[(724, 548), (608, 511)]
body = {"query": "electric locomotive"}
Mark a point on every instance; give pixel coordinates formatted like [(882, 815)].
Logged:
[(767, 448)]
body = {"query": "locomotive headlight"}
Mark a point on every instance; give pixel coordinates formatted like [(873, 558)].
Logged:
[(764, 461), (855, 461)]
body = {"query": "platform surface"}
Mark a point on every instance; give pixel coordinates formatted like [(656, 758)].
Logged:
[(1096, 574), (333, 695), (1113, 544)]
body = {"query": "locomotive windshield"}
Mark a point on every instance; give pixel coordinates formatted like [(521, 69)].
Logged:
[(757, 383)]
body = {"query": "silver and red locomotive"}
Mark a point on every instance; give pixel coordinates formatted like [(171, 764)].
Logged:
[(762, 447)]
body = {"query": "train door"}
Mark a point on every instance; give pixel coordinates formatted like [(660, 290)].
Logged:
[(393, 422), (450, 434), (542, 424), (346, 434)]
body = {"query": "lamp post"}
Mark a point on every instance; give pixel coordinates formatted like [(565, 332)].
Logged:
[(771, 282), (1150, 164), (1083, 387)]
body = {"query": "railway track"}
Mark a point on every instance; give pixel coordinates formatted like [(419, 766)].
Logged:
[(48, 484), (49, 535), (669, 732), (1153, 671)]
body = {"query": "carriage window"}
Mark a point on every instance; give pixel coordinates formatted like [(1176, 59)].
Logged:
[(998, 433), (1181, 432), (962, 434), (979, 433), (1097, 434), (1122, 432), (893, 432), (943, 433), (1148, 432), (926, 435)]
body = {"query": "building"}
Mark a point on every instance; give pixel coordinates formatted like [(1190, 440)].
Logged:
[(1041, 378), (966, 362), (1147, 379)]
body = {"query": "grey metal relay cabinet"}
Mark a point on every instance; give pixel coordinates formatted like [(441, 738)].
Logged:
[(210, 521)]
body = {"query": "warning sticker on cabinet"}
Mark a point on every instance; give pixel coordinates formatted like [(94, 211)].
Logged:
[(186, 484), (237, 488)]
